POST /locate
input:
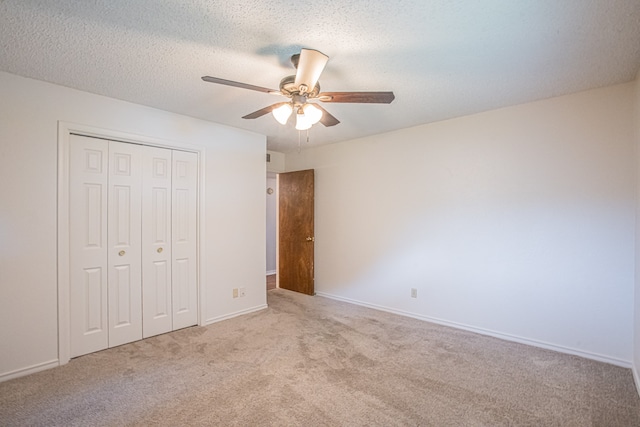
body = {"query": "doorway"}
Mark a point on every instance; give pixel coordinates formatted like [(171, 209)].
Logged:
[(290, 231), (272, 203)]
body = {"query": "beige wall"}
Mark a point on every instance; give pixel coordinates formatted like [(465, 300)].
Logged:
[(276, 164), (516, 222)]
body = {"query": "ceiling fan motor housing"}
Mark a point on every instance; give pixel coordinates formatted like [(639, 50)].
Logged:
[(299, 100), (288, 88)]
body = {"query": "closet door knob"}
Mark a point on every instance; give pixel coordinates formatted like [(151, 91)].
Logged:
[(121, 253), (159, 250)]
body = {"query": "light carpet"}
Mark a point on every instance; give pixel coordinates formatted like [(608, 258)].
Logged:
[(313, 361)]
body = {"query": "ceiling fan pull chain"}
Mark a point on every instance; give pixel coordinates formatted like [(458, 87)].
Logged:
[(307, 136), (299, 137)]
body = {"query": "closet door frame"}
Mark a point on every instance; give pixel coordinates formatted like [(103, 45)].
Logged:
[(65, 130)]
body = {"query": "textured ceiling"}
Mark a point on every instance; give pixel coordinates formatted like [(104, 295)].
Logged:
[(442, 59)]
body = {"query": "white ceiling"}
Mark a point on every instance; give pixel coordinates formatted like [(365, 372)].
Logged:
[(442, 59)]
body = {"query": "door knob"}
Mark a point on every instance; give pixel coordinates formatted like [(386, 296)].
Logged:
[(159, 250), (121, 253), (311, 239)]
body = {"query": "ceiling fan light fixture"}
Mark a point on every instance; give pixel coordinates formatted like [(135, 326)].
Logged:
[(282, 113), (303, 87), (313, 113), (302, 120)]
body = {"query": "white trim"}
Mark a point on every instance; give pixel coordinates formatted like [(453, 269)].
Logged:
[(65, 129), (506, 337), (132, 138), (29, 370), (271, 272), (64, 350), (636, 378), (235, 314), (200, 235), (278, 231)]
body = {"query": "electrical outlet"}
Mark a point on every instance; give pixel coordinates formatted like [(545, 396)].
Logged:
[(243, 292), (235, 292), (414, 293)]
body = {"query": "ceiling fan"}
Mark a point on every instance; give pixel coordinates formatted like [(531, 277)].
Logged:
[(303, 87)]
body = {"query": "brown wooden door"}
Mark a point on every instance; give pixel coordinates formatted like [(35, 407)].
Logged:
[(296, 239)]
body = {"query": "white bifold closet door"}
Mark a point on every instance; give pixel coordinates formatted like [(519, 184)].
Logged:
[(88, 188), (183, 277), (132, 242), (156, 235), (124, 221)]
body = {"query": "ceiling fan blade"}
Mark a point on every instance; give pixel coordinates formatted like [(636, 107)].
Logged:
[(310, 65), (327, 119), (357, 97), (237, 84), (266, 110)]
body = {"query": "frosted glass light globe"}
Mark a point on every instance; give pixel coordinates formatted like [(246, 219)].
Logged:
[(313, 113), (302, 121), (282, 113)]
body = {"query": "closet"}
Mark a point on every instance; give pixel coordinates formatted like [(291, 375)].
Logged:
[(132, 242)]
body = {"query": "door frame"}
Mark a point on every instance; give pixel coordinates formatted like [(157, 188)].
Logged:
[(65, 129), (278, 230)]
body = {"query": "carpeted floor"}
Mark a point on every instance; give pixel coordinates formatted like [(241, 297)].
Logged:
[(271, 282), (312, 361)]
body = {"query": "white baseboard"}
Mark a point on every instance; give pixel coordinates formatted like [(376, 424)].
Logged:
[(29, 370), (506, 337), (270, 272), (234, 314), (636, 378)]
